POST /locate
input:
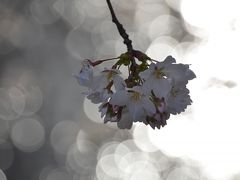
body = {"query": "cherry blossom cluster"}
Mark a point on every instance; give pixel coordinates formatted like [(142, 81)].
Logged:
[(152, 91)]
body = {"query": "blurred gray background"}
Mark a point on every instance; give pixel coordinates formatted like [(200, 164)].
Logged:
[(48, 130)]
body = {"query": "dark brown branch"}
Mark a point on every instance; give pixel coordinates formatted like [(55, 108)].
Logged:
[(126, 41), (120, 28)]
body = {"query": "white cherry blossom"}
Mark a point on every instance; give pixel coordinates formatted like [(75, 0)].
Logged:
[(160, 76), (97, 85), (179, 73), (114, 75), (85, 76), (160, 92), (178, 99), (106, 76), (169, 69), (160, 86), (138, 104)]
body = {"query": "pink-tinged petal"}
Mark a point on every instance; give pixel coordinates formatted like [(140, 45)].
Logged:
[(157, 116), (152, 124), (119, 98), (103, 109), (148, 106), (161, 107)]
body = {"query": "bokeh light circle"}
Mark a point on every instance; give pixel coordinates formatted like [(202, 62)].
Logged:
[(71, 12), (23, 31), (17, 99), (167, 25), (91, 110), (107, 148), (63, 135), (33, 98), (6, 107), (146, 12), (82, 157), (183, 173), (58, 174), (2, 175), (28, 134), (174, 4), (108, 166), (43, 11), (142, 140), (78, 44), (88, 151), (159, 51), (142, 170)]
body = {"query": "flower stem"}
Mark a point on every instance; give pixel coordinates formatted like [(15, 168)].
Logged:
[(108, 59), (101, 61)]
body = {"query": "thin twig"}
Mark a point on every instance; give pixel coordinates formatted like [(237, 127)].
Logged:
[(101, 61), (126, 40), (120, 28)]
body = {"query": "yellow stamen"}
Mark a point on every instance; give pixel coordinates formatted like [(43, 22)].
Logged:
[(158, 73), (136, 96)]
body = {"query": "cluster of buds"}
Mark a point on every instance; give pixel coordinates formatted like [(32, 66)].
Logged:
[(152, 91)]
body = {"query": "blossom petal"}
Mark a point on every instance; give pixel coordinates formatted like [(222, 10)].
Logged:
[(169, 60), (148, 106), (179, 72), (137, 89), (125, 122), (160, 87), (119, 83), (179, 102), (98, 96), (119, 98), (136, 111), (145, 74), (103, 109)]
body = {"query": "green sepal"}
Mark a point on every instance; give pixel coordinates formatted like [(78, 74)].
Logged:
[(124, 59), (143, 67)]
